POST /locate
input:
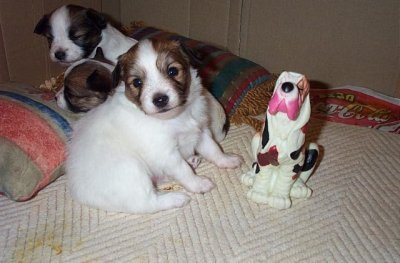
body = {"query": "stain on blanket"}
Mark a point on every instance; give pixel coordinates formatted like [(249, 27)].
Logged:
[(39, 242)]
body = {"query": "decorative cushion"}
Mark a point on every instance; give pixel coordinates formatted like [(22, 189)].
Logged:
[(228, 77), (33, 133)]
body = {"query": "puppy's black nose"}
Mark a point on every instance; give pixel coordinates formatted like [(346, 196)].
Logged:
[(60, 55), (160, 100), (287, 87)]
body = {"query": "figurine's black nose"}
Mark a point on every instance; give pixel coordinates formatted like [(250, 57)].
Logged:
[(287, 87)]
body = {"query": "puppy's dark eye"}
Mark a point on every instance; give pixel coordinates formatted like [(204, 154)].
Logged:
[(138, 83), (49, 39), (75, 34), (76, 37), (172, 71)]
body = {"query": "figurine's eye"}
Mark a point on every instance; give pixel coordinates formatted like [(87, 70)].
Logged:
[(138, 83), (172, 71)]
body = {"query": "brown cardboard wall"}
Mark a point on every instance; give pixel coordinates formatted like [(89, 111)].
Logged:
[(209, 20), (4, 75), (166, 14), (112, 8), (23, 50), (26, 56), (333, 42), (336, 42), (217, 22)]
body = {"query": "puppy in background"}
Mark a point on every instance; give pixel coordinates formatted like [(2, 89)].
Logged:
[(87, 84), (74, 32), (154, 129)]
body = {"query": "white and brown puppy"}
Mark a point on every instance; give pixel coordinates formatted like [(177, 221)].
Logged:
[(74, 32), (150, 131)]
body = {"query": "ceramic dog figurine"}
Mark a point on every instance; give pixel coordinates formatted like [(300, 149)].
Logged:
[(283, 162)]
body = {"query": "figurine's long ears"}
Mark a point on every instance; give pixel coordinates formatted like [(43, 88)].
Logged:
[(304, 88), (287, 98)]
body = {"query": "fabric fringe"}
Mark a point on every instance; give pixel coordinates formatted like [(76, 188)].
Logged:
[(135, 25), (254, 104), (54, 84)]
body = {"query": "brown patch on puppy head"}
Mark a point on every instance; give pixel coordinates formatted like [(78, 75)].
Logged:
[(174, 63), (157, 76), (43, 28), (80, 12), (86, 86), (86, 26), (125, 71)]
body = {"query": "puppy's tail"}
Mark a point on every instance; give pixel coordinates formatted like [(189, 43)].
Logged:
[(218, 121)]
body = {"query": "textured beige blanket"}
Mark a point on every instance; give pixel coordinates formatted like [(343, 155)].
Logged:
[(353, 215)]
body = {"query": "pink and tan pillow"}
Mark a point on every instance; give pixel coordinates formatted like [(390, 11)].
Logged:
[(33, 135)]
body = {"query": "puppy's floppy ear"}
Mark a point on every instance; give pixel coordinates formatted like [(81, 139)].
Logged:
[(98, 19), (42, 26), (99, 54), (116, 75), (99, 82), (196, 59)]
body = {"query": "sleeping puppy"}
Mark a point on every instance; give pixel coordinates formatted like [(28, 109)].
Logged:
[(87, 84), (152, 130), (74, 32)]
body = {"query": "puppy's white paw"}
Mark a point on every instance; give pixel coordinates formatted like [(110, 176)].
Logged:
[(173, 200), (257, 196), (200, 185), (194, 161), (230, 160)]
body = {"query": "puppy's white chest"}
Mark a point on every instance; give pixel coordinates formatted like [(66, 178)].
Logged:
[(188, 135)]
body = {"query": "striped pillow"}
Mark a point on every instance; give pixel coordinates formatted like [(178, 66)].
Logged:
[(228, 77), (33, 135)]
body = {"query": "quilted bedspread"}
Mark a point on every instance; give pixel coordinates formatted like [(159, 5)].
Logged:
[(352, 216)]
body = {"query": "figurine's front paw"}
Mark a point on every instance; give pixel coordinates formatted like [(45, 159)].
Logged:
[(300, 191), (279, 202), (248, 178), (229, 160), (257, 196)]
